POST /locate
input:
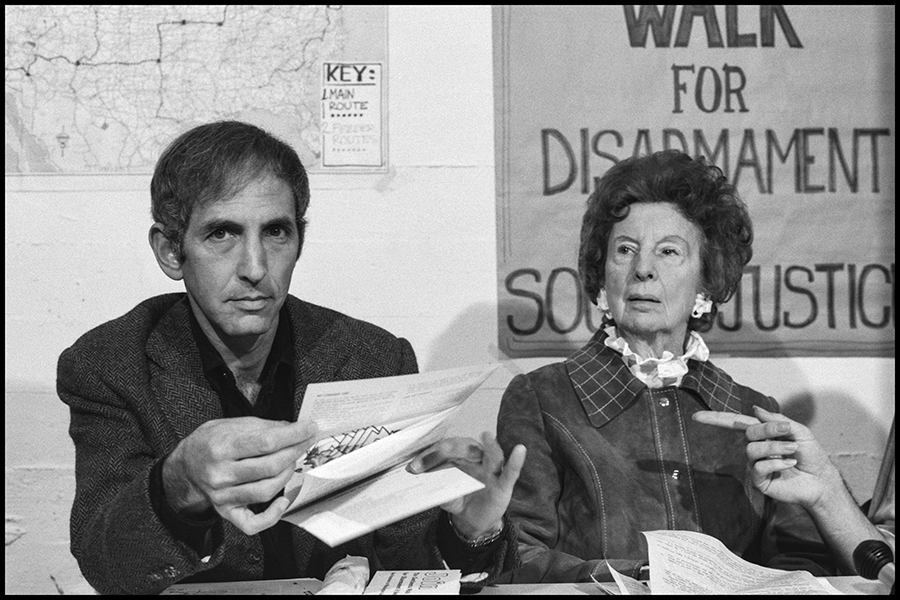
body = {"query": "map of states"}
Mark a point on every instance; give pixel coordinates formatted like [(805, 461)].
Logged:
[(102, 89)]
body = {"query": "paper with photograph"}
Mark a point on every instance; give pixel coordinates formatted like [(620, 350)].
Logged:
[(366, 428)]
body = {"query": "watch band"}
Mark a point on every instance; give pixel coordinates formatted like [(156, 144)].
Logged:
[(480, 541)]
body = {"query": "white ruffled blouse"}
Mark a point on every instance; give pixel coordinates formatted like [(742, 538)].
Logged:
[(658, 372)]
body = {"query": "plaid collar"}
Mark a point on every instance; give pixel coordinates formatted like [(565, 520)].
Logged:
[(606, 386)]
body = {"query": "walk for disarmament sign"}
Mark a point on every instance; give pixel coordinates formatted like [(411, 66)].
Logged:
[(794, 103)]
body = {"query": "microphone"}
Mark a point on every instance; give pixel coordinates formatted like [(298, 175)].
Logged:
[(873, 559)]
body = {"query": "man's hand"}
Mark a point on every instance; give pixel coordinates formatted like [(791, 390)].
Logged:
[(229, 464), (479, 513), (786, 461)]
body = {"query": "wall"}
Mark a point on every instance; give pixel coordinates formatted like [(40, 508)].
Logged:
[(412, 250)]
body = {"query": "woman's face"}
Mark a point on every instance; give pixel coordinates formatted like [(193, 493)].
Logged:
[(653, 273)]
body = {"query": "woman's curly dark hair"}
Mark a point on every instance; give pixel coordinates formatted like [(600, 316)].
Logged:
[(699, 191)]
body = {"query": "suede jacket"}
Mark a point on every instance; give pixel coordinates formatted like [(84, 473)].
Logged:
[(609, 458)]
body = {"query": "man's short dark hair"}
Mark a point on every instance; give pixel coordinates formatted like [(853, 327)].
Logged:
[(214, 162)]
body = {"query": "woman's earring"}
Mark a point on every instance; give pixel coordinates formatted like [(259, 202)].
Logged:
[(602, 302), (702, 305), (603, 307)]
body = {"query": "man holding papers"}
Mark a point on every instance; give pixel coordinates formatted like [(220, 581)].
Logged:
[(184, 410)]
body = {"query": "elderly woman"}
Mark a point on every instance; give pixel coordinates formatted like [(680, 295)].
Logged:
[(612, 448)]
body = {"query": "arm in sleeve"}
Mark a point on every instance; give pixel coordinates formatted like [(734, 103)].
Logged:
[(116, 534)]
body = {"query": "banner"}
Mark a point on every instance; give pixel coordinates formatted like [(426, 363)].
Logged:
[(794, 103)]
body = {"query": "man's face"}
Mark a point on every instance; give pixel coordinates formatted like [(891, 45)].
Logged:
[(239, 255)]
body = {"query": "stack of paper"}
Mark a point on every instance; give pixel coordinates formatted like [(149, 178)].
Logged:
[(688, 562), (400, 583)]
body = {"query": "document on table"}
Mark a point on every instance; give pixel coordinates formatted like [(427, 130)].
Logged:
[(347, 484), (687, 562)]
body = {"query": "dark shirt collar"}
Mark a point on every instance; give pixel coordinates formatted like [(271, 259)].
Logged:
[(606, 386), (280, 353)]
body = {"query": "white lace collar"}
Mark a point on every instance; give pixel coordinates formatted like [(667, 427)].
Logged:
[(658, 372)]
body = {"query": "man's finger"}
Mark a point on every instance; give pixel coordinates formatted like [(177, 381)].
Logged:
[(729, 420), (271, 465), (770, 429), (766, 416), (249, 522), (769, 449), (251, 492), (762, 469), (274, 437)]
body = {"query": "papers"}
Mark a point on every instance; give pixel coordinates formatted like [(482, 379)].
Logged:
[(341, 406), (374, 503), (347, 484), (401, 583), (627, 586), (687, 562)]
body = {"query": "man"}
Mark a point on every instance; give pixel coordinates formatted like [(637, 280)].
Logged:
[(183, 411)]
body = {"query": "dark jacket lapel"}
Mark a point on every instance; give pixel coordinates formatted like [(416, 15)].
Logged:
[(178, 384), (317, 347)]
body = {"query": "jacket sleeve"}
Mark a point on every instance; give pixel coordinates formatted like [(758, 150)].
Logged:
[(116, 536), (533, 507)]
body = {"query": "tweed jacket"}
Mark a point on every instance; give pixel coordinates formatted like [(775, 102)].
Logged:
[(609, 458), (135, 388)]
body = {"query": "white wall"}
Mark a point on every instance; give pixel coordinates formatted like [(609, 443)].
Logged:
[(412, 250)]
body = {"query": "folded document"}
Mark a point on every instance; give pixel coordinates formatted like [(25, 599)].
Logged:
[(353, 480)]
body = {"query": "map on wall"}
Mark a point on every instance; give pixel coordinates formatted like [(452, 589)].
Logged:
[(103, 89)]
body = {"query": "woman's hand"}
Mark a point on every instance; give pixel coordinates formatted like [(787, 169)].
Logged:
[(479, 513)]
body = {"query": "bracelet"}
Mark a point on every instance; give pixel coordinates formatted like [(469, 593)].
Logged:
[(480, 541)]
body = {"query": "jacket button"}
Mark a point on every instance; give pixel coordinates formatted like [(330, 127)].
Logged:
[(664, 402), (254, 556), (676, 474)]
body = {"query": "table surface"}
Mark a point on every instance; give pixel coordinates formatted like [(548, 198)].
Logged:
[(854, 585), (849, 585)]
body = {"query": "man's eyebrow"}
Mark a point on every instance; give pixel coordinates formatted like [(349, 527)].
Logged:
[(216, 224), (283, 222), (229, 225)]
